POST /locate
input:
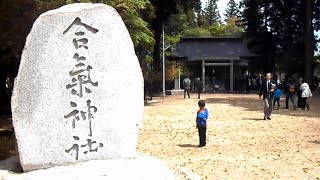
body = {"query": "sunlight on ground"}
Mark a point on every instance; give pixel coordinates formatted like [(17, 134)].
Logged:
[(240, 143)]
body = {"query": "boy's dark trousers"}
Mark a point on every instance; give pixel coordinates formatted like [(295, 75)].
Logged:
[(300, 103), (202, 135), (276, 99)]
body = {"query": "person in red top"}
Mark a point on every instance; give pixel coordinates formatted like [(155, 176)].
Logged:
[(202, 117)]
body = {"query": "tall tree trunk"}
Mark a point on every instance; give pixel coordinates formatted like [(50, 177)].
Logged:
[(156, 52), (268, 40), (308, 40), (141, 54)]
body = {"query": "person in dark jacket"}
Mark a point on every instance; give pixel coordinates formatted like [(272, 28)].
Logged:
[(267, 91), (198, 86), (259, 81)]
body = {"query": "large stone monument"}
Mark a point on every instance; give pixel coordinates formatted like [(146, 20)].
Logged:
[(78, 95)]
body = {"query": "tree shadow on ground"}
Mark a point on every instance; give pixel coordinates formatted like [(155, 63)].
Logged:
[(315, 142), (148, 104), (188, 145), (253, 119), (253, 103)]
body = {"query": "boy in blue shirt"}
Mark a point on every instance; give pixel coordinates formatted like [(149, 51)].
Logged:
[(202, 117), (277, 96)]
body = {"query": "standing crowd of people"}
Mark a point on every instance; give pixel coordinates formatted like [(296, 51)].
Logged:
[(253, 82), (273, 89)]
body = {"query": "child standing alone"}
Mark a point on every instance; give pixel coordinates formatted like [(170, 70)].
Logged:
[(277, 96), (202, 117)]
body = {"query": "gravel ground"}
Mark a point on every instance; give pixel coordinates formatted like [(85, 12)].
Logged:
[(240, 145)]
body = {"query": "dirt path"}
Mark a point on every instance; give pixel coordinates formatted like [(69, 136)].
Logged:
[(240, 145)]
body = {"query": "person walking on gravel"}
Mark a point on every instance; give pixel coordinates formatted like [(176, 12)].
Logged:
[(267, 91), (198, 86), (306, 93), (291, 91), (186, 86)]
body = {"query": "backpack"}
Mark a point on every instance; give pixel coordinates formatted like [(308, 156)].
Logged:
[(292, 88)]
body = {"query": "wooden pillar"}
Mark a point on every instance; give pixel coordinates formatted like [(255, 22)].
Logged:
[(204, 75), (231, 75)]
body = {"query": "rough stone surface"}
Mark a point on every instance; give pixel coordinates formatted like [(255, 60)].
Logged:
[(70, 101), (142, 167)]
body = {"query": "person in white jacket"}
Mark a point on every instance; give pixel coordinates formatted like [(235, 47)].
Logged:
[(306, 92)]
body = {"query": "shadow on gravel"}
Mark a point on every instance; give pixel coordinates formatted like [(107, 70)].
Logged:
[(188, 145), (253, 103), (315, 142)]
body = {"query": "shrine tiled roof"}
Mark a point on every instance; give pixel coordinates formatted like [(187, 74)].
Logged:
[(212, 48)]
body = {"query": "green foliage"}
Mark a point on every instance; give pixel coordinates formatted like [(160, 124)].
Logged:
[(136, 14), (225, 30), (191, 18), (232, 28), (252, 16), (212, 13), (164, 10), (45, 5), (138, 29), (172, 39), (201, 19), (177, 23), (209, 19), (130, 10), (149, 59), (317, 58), (217, 30), (187, 5), (256, 34), (232, 10), (276, 30), (196, 32)]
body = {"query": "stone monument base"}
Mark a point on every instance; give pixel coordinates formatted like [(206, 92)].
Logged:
[(142, 167), (174, 91)]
